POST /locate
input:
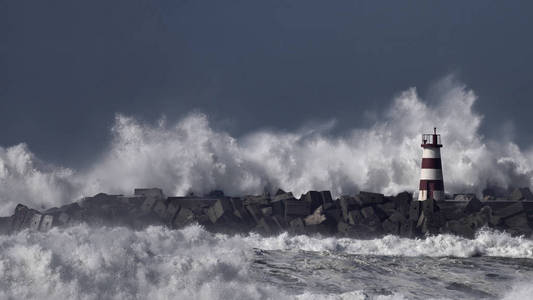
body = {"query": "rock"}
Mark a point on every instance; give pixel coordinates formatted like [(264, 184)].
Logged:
[(185, 216), (221, 207), (464, 197), (367, 198), (296, 208), (171, 211), (46, 223), (521, 194), (269, 225), (254, 212), (316, 218), (387, 208), (347, 203), (156, 193), (35, 221), (334, 214), (355, 217), (402, 202), (313, 198), (509, 210), (397, 217), (256, 200), (160, 208), (473, 206), (148, 204), (391, 227), (297, 223), (63, 218), (518, 222), (326, 197), (5, 225), (414, 210), (283, 196), (266, 211), (368, 212)]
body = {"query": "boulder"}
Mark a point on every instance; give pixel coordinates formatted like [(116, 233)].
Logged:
[(509, 210), (402, 202), (160, 208), (473, 206), (521, 194), (334, 214), (313, 198), (185, 216), (171, 211), (156, 193), (266, 211), (316, 218), (35, 221), (391, 227), (414, 210), (355, 217), (368, 212), (347, 204), (367, 198), (296, 208), (464, 197), (148, 204), (326, 197), (46, 223), (296, 223), (221, 207), (518, 223)]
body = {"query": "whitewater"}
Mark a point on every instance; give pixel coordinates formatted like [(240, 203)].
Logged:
[(83, 262)]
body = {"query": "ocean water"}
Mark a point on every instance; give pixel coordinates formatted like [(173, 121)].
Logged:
[(82, 262)]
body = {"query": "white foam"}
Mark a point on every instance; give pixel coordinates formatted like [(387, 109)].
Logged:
[(486, 243)]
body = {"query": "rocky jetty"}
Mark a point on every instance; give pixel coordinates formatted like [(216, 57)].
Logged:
[(364, 215)]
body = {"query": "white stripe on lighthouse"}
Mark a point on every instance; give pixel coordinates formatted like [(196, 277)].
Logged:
[(431, 153), (431, 174)]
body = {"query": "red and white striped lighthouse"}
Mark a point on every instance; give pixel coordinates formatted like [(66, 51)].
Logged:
[(431, 181)]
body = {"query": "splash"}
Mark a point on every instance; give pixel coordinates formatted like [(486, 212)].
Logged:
[(191, 156)]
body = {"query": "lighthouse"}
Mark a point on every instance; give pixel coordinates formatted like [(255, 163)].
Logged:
[(431, 181)]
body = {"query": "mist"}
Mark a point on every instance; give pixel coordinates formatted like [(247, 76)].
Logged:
[(192, 156)]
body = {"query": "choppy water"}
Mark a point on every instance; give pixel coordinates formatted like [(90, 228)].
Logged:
[(156, 263)]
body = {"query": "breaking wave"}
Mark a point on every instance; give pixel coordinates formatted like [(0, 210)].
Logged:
[(82, 262), (192, 156)]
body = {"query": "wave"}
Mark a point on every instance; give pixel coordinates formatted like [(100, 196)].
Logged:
[(191, 156), (83, 262)]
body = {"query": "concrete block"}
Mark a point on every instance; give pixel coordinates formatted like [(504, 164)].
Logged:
[(185, 216), (18, 217), (334, 214), (160, 208), (473, 206), (326, 197), (402, 202), (297, 223), (148, 204), (35, 221), (266, 211), (355, 217), (283, 197), (509, 210), (221, 207), (63, 218), (171, 211), (156, 193), (397, 217), (347, 204), (414, 210), (391, 227), (296, 208), (46, 223), (367, 198), (368, 212), (313, 198), (518, 221), (255, 212), (316, 218), (521, 194)]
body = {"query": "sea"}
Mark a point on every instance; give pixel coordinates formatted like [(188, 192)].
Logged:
[(83, 262)]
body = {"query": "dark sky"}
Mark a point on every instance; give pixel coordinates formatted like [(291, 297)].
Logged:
[(68, 66)]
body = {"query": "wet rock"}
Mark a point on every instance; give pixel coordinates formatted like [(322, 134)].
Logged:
[(184, 217), (46, 223), (316, 218), (521, 194), (473, 206), (347, 204), (518, 223), (266, 211), (391, 227), (219, 208), (464, 197), (148, 204), (509, 210), (171, 211), (160, 208), (334, 214), (402, 201), (35, 221), (156, 193), (367, 198), (355, 217), (296, 208)]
